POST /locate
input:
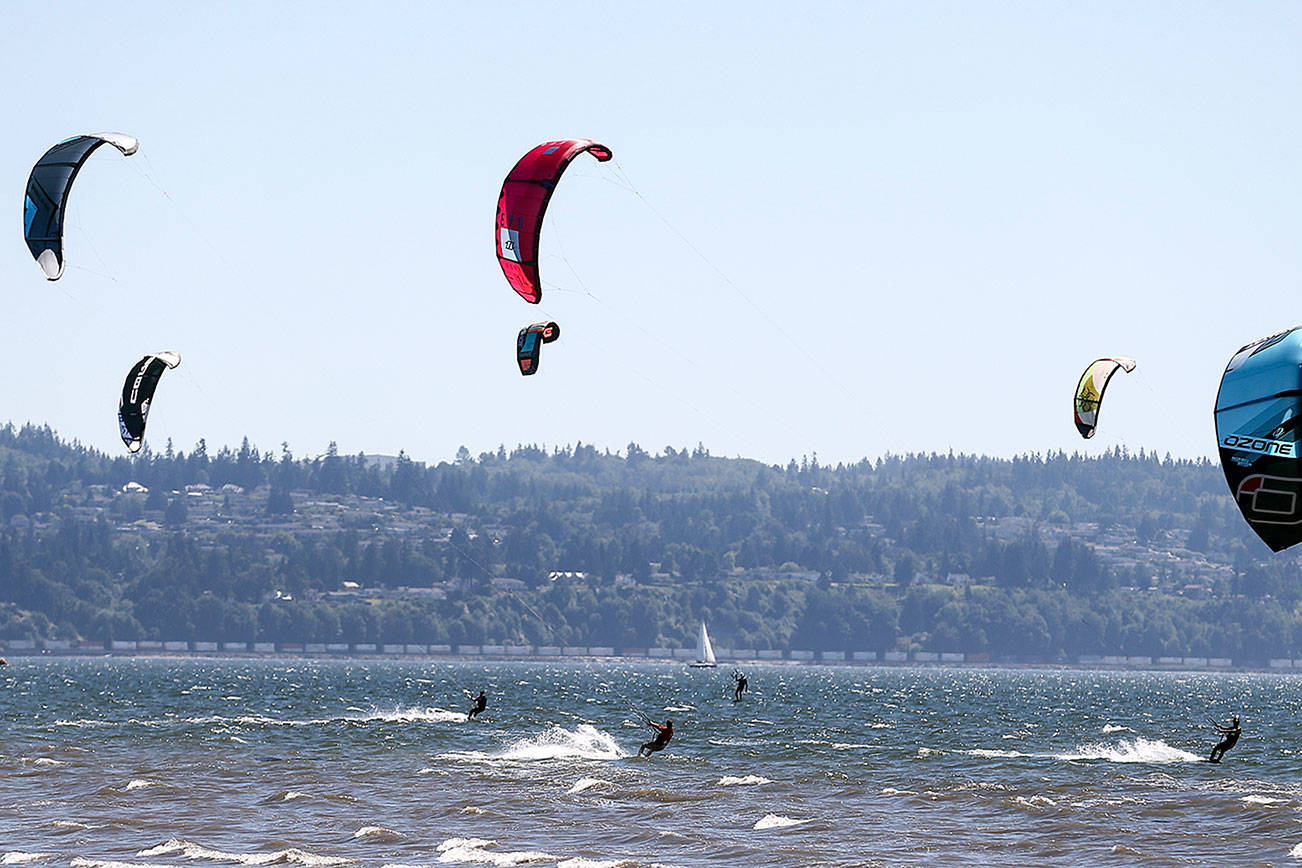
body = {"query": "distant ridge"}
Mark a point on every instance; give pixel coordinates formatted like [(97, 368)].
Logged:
[(1035, 557)]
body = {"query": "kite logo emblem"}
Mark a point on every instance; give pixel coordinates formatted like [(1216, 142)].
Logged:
[(135, 387), (1269, 499), (1259, 444), (509, 240)]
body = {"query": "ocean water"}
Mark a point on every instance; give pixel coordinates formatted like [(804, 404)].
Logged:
[(165, 762)]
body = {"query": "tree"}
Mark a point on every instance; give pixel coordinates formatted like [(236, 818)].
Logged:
[(279, 502), (906, 569), (176, 513)]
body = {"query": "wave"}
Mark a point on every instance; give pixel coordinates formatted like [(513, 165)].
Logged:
[(834, 745), (581, 862), (583, 742), (1036, 801), (255, 720), (750, 742), (286, 796), (408, 715), (479, 851), (18, 857), (1262, 800), (1140, 750), (776, 821), (191, 850), (138, 784), (374, 715), (87, 722), (378, 834), (748, 780), (1110, 728), (659, 794), (583, 784)]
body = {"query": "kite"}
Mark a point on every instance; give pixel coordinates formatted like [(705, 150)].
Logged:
[(1257, 412), (528, 346), (138, 393), (522, 204), (47, 194), (1089, 392)]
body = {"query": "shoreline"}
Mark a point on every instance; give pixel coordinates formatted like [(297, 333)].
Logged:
[(880, 660)]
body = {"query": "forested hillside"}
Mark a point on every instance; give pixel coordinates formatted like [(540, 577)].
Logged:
[(1035, 557)]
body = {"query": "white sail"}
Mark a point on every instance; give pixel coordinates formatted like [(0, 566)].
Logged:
[(704, 650)]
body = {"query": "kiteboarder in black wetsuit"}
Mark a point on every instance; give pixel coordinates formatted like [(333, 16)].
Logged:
[(1231, 733), (663, 734), (481, 702), (741, 684)]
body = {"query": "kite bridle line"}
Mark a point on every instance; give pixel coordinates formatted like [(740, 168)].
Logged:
[(639, 712), (488, 573), (149, 174), (606, 351), (773, 323), (1159, 397), (161, 313), (653, 339)]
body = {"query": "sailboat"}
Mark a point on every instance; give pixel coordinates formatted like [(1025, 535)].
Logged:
[(704, 651)]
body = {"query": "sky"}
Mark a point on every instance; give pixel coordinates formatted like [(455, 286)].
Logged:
[(830, 229)]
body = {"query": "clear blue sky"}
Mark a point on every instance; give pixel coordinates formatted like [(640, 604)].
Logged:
[(918, 222)]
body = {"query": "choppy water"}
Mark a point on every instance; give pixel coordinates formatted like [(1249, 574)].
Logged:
[(114, 762)]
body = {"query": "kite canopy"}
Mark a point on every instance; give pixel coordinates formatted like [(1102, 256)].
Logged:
[(522, 204), (137, 393), (1257, 412), (47, 194), (1089, 392), (528, 346)]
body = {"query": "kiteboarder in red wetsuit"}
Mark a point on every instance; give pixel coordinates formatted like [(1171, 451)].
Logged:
[(663, 734)]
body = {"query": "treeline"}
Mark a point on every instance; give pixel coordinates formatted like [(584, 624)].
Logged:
[(903, 551)]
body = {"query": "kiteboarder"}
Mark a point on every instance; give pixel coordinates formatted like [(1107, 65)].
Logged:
[(1231, 733), (740, 678), (663, 734), (481, 702)]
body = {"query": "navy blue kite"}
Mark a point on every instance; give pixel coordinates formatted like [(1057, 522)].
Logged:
[(47, 194)]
